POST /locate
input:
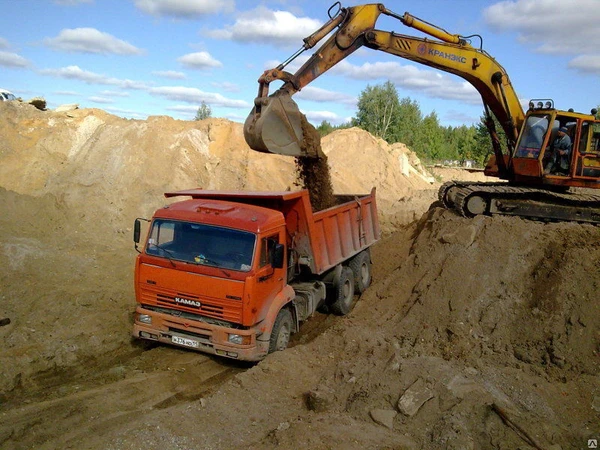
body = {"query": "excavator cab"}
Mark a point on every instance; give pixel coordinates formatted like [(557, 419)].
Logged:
[(536, 155)]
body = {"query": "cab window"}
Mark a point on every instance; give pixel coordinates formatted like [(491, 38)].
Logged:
[(532, 137), (267, 247)]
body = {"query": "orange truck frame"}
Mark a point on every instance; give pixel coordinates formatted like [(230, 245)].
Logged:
[(235, 273)]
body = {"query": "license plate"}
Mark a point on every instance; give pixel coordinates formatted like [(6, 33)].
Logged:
[(184, 341)]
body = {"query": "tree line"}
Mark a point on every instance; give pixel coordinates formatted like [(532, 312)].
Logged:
[(383, 114)]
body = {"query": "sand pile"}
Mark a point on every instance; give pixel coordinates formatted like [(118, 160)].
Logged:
[(359, 161), (468, 338), (465, 317), (73, 182)]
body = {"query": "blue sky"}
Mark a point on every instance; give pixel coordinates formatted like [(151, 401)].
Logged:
[(138, 58)]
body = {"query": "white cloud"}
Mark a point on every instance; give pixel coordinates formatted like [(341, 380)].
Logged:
[(183, 108), (320, 116), (68, 93), (90, 40), (102, 100), (321, 95), (226, 86), (8, 59), (266, 26), (173, 75), (76, 73), (586, 64), (199, 60), (3, 43), (184, 9), (114, 94), (428, 82), (460, 117), (556, 26), (196, 97)]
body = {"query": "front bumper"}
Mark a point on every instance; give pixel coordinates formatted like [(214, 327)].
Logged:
[(200, 336)]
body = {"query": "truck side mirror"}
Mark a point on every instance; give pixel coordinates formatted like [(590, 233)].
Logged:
[(137, 226), (277, 261)]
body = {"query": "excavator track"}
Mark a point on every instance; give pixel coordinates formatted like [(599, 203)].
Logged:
[(471, 199)]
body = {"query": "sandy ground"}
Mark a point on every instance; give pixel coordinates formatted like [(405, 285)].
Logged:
[(477, 333)]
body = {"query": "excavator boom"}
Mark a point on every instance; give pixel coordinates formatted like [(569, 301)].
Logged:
[(275, 123)]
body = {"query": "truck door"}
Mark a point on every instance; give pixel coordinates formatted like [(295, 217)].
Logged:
[(270, 281)]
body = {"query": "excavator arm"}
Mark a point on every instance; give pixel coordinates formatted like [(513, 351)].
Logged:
[(275, 123)]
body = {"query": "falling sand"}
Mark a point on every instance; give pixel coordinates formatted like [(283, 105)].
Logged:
[(313, 171)]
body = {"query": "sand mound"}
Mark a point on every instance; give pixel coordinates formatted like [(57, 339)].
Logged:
[(73, 182), (360, 161), (468, 321)]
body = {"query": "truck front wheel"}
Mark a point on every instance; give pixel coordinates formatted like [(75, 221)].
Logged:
[(344, 293), (282, 329)]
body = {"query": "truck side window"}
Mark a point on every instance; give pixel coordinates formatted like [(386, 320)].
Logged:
[(267, 246)]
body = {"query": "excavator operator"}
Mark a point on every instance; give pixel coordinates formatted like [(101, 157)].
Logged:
[(561, 153)]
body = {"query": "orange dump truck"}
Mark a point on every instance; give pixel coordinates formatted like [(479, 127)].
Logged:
[(235, 273)]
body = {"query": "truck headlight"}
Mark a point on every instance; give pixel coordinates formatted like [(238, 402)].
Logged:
[(238, 339), (145, 318)]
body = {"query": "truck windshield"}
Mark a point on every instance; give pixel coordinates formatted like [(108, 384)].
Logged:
[(201, 244)]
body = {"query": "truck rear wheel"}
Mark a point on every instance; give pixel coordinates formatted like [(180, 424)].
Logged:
[(282, 329), (361, 267), (344, 293)]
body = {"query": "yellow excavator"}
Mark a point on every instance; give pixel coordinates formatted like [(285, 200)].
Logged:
[(537, 175)]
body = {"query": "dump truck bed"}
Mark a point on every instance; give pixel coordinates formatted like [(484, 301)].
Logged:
[(321, 239)]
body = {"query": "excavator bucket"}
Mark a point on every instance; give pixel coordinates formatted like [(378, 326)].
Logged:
[(277, 126)]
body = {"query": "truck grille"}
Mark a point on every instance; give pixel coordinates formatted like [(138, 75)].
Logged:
[(189, 302), (222, 309)]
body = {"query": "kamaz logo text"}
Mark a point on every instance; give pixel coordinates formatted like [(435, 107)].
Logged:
[(185, 301)]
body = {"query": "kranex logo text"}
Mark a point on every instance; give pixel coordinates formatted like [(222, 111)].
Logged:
[(449, 56)]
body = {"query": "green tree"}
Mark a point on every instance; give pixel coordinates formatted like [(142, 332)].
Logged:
[(382, 114), (408, 122), (483, 142), (466, 143), (204, 112), (378, 109), (325, 128), (431, 140)]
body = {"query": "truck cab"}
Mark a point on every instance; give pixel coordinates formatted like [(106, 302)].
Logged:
[(207, 272)]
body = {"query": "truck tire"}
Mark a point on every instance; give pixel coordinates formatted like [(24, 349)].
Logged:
[(282, 329), (361, 267), (344, 293)]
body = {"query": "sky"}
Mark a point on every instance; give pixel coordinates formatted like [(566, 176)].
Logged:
[(140, 58)]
